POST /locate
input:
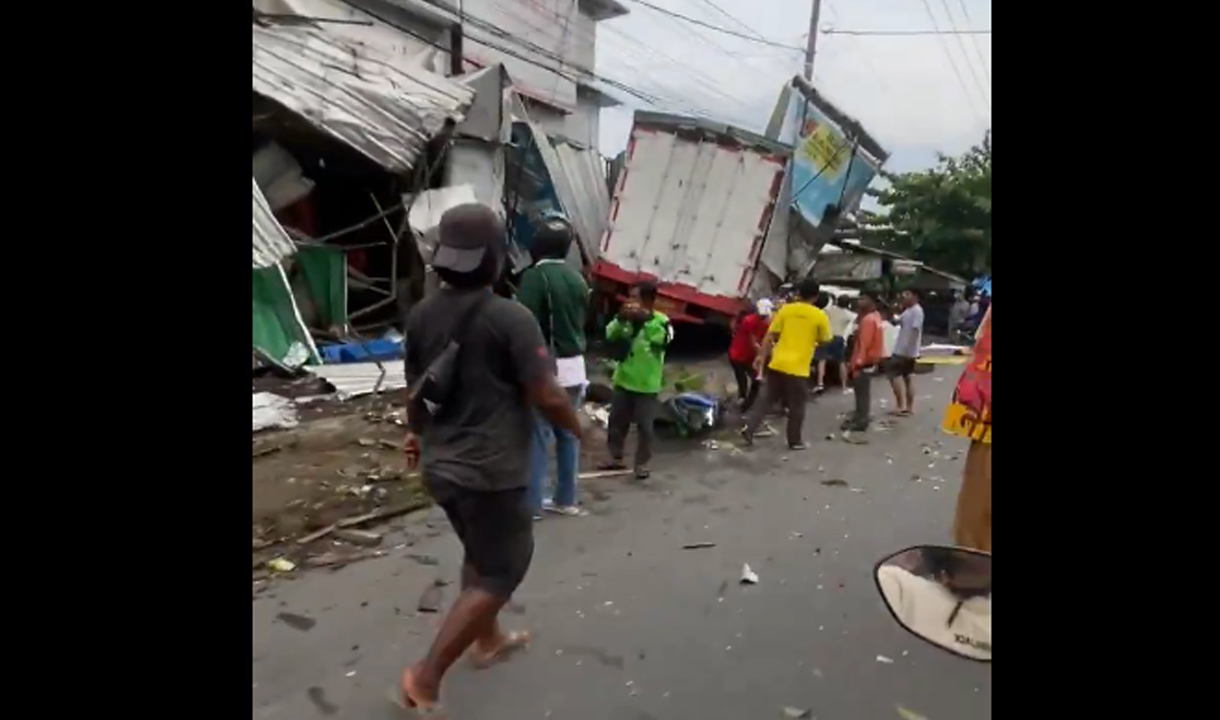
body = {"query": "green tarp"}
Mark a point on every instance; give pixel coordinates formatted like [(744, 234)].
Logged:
[(319, 282), (311, 293), (279, 333)]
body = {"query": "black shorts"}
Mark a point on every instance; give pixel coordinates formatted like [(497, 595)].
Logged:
[(496, 529), (899, 366), (832, 351)]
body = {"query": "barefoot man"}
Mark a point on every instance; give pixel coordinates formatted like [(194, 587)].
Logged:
[(475, 446)]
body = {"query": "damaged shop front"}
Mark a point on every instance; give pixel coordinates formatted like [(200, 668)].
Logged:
[(346, 134)]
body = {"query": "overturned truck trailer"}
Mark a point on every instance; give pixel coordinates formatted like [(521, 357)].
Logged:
[(718, 215), (691, 208)]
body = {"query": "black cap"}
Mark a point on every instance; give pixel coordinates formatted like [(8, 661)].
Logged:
[(555, 228), (467, 232)]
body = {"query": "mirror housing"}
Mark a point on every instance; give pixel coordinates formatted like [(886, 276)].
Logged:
[(942, 595)]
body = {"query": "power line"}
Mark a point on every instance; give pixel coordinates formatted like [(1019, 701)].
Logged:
[(733, 18), (974, 41), (716, 28), (961, 44), (704, 83), (952, 63), (833, 31)]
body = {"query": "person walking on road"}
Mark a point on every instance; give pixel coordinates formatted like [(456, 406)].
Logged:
[(642, 333), (486, 360), (906, 352), (787, 354), (744, 348), (558, 297), (867, 352)]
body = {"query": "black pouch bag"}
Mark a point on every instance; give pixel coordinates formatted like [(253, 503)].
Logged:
[(620, 350), (433, 389)]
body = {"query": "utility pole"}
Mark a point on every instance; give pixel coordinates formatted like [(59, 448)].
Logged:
[(811, 47)]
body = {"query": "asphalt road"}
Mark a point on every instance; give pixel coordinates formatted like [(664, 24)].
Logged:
[(628, 625)]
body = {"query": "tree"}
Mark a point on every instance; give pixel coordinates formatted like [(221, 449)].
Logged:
[(940, 216)]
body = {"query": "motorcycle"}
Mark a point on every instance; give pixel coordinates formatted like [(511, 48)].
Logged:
[(941, 595)]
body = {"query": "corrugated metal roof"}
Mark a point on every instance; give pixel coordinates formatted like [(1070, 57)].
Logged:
[(381, 103), (356, 379), (580, 186), (271, 243)]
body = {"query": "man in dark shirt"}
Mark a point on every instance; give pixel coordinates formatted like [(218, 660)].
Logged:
[(475, 452)]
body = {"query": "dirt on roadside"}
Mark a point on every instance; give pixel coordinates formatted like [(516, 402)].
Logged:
[(344, 460), (342, 467)]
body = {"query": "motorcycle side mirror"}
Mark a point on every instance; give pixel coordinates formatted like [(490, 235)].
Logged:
[(941, 595)]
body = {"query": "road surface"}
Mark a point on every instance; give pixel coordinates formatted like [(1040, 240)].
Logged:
[(628, 625)]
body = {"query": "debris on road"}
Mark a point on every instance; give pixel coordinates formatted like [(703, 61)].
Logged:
[(363, 538), (908, 714), (835, 482), (296, 622), (272, 411), (796, 713), (698, 545), (596, 474), (884, 660), (431, 599), (748, 576), (281, 565)]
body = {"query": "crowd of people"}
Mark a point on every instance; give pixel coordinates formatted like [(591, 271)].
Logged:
[(780, 344), (495, 382)]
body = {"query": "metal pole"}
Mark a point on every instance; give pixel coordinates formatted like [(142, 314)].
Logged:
[(811, 47)]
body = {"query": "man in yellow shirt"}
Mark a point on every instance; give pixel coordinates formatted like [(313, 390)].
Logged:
[(787, 354)]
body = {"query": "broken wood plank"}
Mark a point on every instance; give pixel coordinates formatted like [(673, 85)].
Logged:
[(364, 538), (316, 535), (595, 474), (384, 513)]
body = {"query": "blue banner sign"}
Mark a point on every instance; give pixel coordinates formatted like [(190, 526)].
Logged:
[(827, 167)]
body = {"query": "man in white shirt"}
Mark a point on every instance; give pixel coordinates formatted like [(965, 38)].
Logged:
[(841, 320), (958, 312), (906, 352)]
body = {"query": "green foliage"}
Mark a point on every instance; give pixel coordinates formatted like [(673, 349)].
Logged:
[(940, 216)]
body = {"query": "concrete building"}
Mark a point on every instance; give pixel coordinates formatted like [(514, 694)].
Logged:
[(548, 47)]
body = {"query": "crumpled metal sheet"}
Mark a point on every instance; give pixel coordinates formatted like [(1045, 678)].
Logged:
[(273, 411), (355, 379), (377, 101), (579, 180), (588, 196), (271, 243)]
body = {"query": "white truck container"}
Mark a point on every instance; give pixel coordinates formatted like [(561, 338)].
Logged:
[(691, 209)]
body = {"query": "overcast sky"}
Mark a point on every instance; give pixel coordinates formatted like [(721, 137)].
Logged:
[(903, 89)]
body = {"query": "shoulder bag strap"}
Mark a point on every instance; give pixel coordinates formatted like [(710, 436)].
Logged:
[(462, 329)]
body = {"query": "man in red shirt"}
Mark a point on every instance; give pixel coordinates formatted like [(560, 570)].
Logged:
[(867, 353), (747, 340)]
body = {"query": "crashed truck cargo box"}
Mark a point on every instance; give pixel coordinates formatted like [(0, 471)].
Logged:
[(691, 208)]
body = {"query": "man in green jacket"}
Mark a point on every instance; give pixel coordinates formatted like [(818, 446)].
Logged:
[(643, 334), (558, 297)]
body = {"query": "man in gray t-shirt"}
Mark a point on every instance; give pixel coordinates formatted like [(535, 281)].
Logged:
[(906, 351)]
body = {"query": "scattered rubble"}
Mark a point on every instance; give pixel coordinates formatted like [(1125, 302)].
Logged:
[(432, 598)]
